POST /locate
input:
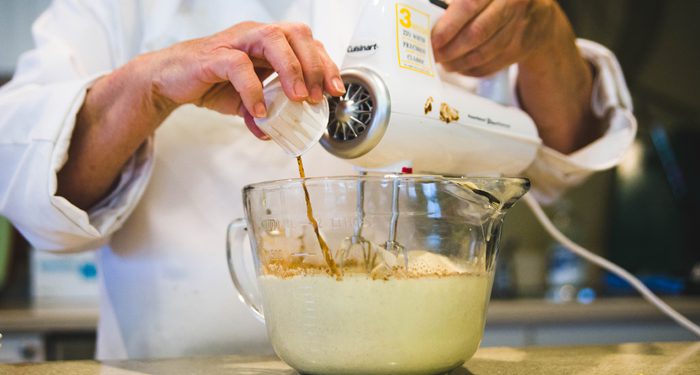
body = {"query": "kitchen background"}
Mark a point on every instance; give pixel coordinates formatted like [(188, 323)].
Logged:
[(642, 215)]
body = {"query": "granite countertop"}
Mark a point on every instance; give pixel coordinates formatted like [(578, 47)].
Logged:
[(632, 359)]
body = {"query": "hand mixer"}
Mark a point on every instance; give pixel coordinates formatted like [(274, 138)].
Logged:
[(392, 79), (401, 113)]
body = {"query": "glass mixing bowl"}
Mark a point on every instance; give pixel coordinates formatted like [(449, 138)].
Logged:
[(404, 285)]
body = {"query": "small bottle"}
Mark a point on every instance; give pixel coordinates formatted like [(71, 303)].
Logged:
[(294, 126)]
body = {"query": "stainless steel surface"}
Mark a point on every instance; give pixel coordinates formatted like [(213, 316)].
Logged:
[(357, 233), (391, 244)]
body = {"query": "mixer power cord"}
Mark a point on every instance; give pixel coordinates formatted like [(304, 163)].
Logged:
[(608, 265)]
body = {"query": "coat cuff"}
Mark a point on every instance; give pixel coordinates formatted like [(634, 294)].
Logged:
[(97, 224), (553, 172)]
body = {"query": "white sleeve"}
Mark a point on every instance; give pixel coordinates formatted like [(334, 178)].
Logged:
[(37, 114), (553, 172)]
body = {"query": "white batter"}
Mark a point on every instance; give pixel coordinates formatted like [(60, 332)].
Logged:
[(360, 325)]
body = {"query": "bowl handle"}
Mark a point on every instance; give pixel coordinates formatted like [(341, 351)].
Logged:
[(236, 234)]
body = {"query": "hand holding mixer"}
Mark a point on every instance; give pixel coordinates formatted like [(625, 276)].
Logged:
[(401, 113)]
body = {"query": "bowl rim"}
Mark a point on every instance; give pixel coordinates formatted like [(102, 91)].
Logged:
[(286, 182)]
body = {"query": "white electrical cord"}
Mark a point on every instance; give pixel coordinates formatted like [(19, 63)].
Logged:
[(606, 264)]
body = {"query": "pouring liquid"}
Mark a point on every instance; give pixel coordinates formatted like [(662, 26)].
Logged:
[(310, 214)]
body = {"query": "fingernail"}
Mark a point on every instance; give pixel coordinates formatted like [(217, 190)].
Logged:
[(338, 85), (265, 137), (260, 110), (316, 94), (300, 90)]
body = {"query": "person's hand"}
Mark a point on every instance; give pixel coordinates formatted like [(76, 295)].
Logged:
[(224, 71), (480, 37)]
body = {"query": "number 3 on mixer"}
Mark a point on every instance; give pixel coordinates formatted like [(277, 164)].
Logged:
[(413, 39), (405, 19)]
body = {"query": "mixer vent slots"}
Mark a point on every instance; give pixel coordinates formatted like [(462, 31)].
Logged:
[(353, 113)]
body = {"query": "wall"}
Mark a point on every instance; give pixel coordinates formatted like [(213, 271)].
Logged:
[(16, 17)]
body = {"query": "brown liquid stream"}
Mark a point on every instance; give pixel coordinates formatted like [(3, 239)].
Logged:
[(310, 214)]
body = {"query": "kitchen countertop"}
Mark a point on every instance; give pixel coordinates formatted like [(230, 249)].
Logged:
[(82, 315), (632, 358), (77, 315)]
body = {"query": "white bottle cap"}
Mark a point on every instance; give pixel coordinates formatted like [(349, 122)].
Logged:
[(294, 126)]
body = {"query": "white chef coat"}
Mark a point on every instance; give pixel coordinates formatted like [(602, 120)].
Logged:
[(165, 287)]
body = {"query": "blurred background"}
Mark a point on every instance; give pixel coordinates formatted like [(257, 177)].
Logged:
[(641, 215)]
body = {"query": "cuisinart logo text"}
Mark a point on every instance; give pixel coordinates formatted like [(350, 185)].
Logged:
[(362, 49)]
